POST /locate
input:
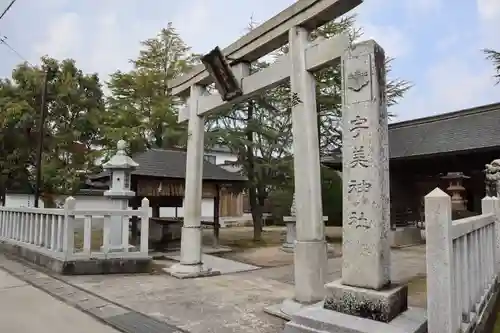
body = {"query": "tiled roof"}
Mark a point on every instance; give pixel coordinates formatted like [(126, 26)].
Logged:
[(463, 130), (172, 164)]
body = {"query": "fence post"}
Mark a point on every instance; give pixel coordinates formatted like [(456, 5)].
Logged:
[(497, 234), (489, 205), (144, 247), (69, 227), (439, 251)]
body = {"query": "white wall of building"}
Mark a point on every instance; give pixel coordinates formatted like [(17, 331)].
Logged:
[(21, 200), (223, 157), (97, 202)]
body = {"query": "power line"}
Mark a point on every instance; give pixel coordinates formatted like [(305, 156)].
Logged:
[(7, 9), (3, 40)]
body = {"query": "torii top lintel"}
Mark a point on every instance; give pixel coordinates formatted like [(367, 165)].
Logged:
[(269, 36)]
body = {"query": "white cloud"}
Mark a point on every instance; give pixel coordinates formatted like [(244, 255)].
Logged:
[(489, 18), (448, 41), (450, 84), (422, 6), (193, 21), (456, 84), (62, 37), (106, 52), (489, 9), (390, 38)]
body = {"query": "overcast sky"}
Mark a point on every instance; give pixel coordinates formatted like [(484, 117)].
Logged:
[(436, 43)]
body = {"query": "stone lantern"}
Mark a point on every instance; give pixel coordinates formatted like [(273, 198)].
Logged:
[(120, 167), (456, 190)]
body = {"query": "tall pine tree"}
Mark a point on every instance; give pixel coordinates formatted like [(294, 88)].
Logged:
[(494, 57), (140, 108)]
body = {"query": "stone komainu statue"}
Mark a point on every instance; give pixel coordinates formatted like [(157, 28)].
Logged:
[(492, 176)]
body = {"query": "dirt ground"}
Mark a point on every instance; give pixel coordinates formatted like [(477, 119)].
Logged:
[(242, 237), (268, 252), (237, 238)]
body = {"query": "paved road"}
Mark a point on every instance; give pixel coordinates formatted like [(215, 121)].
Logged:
[(26, 309)]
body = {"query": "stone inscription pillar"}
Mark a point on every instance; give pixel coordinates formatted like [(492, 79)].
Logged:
[(365, 289), (366, 251)]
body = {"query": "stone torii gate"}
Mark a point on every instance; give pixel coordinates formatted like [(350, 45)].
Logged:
[(365, 289), (291, 25)]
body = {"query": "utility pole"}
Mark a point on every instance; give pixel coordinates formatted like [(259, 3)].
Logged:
[(41, 135)]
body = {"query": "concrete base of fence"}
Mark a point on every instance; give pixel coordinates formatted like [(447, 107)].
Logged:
[(79, 267), (316, 319), (407, 236), (488, 314)]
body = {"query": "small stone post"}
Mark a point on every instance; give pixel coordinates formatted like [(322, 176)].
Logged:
[(439, 250), (68, 245), (497, 234), (492, 175), (121, 167), (489, 205), (291, 230), (144, 246)]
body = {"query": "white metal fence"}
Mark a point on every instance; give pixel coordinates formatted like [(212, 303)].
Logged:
[(52, 231), (462, 269)]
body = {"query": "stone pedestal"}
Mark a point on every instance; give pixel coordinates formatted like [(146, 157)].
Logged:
[(316, 319), (380, 305), (291, 233), (191, 264), (165, 233), (313, 258), (183, 271), (116, 225)]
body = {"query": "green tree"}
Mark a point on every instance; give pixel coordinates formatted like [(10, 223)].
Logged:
[(494, 57), (140, 108), (71, 131), (15, 140), (259, 131)]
